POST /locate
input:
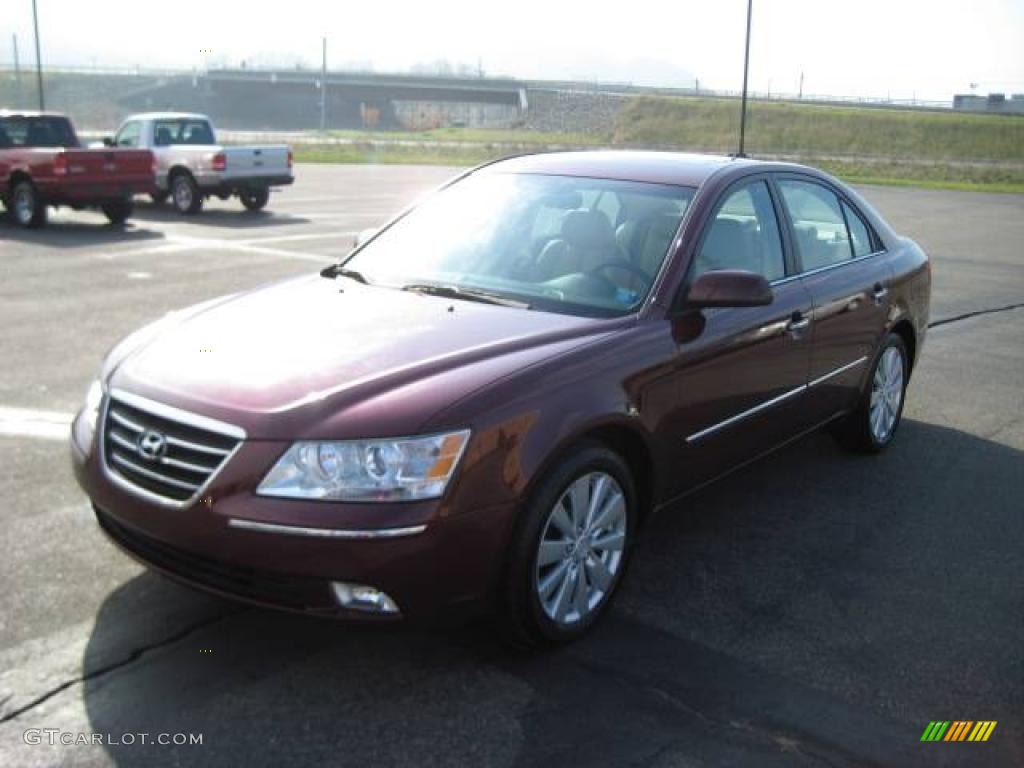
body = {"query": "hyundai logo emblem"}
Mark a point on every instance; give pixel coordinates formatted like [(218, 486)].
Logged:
[(152, 445)]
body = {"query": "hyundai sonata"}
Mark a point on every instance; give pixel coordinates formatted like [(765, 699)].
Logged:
[(485, 400)]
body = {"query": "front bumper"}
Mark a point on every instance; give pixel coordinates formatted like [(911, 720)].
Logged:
[(454, 561)]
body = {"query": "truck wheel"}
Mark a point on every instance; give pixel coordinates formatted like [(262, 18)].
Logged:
[(255, 199), (160, 197), (185, 193), (29, 211), (118, 211)]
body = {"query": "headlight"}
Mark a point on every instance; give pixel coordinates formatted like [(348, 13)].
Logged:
[(367, 470), (85, 426), (93, 399)]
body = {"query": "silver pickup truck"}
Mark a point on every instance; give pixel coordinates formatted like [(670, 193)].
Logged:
[(191, 166)]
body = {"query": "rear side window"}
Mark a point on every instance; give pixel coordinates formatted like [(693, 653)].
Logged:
[(860, 235), (821, 234), (744, 235)]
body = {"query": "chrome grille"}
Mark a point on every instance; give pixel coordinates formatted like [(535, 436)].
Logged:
[(163, 451)]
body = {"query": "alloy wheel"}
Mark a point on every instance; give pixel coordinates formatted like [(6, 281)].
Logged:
[(580, 552), (886, 394), (182, 195)]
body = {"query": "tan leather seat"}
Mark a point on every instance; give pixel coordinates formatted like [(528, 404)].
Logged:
[(587, 241)]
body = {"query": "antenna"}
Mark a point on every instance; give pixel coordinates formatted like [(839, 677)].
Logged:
[(746, 68)]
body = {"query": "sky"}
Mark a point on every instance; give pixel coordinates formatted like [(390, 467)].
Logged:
[(871, 48)]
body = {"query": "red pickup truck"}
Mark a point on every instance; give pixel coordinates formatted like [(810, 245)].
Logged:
[(42, 163)]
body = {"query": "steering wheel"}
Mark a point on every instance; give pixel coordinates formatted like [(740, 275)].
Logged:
[(625, 266)]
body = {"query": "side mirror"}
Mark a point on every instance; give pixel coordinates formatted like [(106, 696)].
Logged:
[(363, 236), (108, 141), (728, 288)]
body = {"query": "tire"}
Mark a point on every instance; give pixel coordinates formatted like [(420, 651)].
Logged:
[(255, 199), (185, 194), (872, 426), (118, 211), (543, 600), (26, 207), (159, 197)]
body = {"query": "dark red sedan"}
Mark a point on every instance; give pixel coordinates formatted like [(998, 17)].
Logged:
[(485, 400)]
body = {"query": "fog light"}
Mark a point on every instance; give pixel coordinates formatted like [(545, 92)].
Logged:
[(359, 597)]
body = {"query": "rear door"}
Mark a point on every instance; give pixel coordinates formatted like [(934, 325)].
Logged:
[(841, 263), (740, 372)]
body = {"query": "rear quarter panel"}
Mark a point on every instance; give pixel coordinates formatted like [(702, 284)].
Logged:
[(911, 288)]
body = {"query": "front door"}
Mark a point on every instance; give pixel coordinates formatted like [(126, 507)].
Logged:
[(740, 373)]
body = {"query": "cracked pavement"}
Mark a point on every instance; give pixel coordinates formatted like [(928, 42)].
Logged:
[(815, 609)]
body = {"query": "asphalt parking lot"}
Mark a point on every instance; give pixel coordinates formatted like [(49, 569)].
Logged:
[(815, 609)]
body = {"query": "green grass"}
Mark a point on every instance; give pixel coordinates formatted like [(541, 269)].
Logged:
[(820, 131), (930, 175), (479, 136)]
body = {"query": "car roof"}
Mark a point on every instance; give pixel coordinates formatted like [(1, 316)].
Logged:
[(30, 113), (684, 169)]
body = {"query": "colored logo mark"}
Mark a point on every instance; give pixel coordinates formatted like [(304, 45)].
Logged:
[(958, 730)]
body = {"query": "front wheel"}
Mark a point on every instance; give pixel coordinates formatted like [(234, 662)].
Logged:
[(872, 425), (29, 211), (571, 548), (255, 199), (118, 211)]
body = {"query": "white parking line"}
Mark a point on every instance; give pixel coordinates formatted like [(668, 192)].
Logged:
[(176, 244), (285, 238), (28, 422)]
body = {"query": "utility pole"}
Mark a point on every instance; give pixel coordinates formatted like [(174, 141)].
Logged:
[(17, 72), (39, 60), (801, 94), (323, 88), (746, 68)]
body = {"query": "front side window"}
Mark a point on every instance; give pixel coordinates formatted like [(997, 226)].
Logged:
[(545, 240), (169, 133), (821, 234), (744, 234), (129, 135)]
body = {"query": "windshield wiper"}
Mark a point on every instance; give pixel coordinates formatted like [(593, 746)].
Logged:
[(336, 270), (466, 294)]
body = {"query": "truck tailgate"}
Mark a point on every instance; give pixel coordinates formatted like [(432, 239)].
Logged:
[(254, 162)]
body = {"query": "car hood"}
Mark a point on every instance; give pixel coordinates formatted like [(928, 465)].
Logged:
[(286, 360)]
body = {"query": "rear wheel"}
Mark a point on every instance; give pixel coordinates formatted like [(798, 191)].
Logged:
[(118, 211), (185, 193), (255, 199), (872, 425), (29, 211), (159, 197), (572, 547)]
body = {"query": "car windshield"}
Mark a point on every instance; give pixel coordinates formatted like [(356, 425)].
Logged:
[(167, 133), (557, 243), (37, 132)]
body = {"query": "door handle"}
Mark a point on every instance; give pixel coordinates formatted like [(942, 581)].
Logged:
[(880, 293), (797, 324)]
